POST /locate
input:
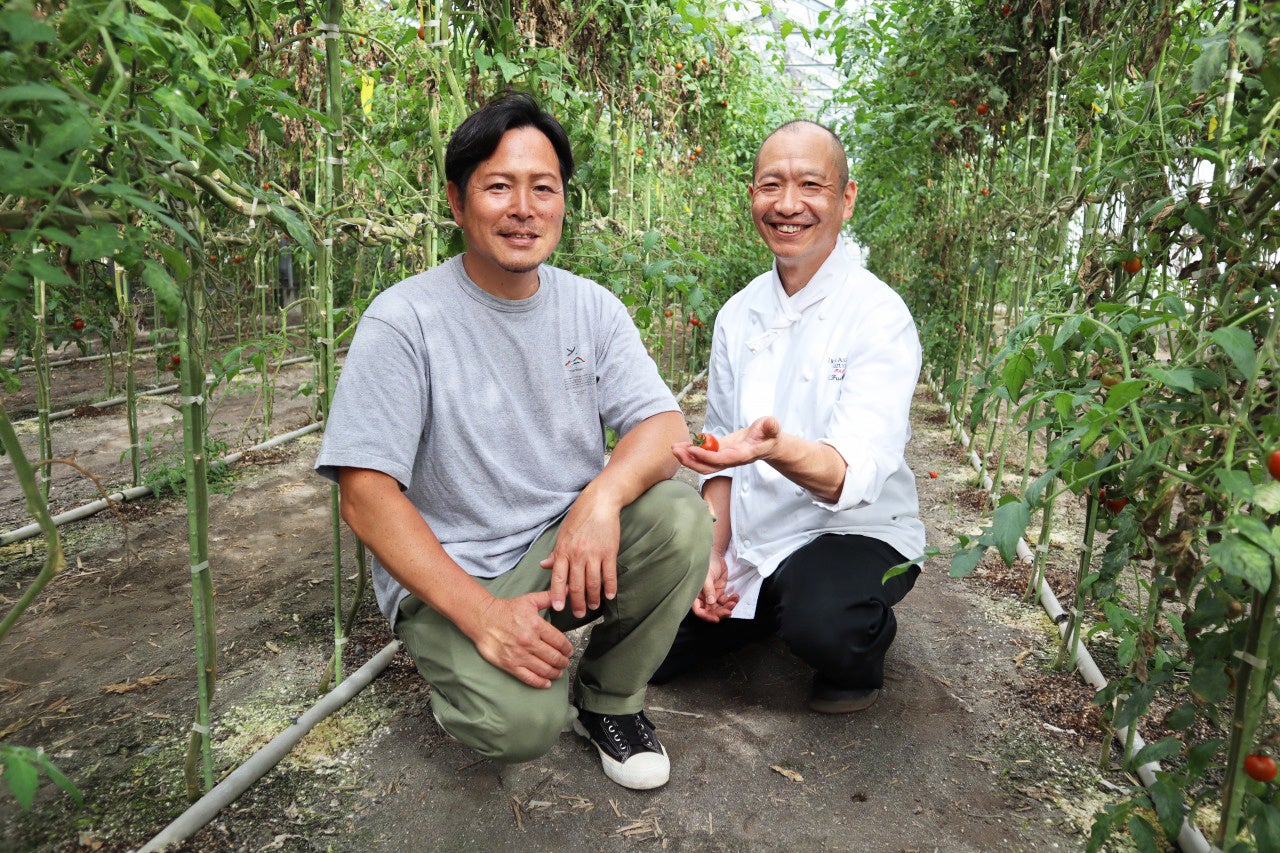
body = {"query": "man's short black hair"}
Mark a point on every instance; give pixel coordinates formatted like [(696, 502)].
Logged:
[(478, 136)]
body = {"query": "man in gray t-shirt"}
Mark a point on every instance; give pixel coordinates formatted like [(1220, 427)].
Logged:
[(467, 438)]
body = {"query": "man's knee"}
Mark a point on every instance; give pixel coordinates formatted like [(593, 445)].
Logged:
[(833, 640), (513, 734), (670, 517)]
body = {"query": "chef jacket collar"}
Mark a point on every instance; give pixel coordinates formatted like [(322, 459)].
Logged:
[(788, 309)]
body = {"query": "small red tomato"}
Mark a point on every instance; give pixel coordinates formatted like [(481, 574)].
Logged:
[(266, 185), (986, 191), (1132, 265), (933, 475), (77, 323), (697, 149), (639, 152), (667, 313), (953, 102), (1273, 464), (679, 66), (1006, 10), (175, 360), (1117, 504), (983, 109), (694, 321), (724, 103), (422, 33), (1260, 767), (707, 441)]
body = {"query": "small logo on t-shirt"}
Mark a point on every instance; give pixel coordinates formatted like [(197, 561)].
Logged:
[(577, 374), (838, 366)]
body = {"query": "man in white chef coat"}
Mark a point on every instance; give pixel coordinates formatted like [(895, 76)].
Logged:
[(813, 367)]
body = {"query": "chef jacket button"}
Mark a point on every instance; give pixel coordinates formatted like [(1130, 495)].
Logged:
[(746, 542)]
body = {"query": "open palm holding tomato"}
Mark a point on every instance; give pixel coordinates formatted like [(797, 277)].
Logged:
[(737, 448)]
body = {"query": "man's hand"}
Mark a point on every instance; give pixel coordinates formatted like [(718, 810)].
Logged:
[(743, 447), (513, 636), (712, 604), (584, 561)]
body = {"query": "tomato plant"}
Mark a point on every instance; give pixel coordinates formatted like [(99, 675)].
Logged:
[(1273, 464)]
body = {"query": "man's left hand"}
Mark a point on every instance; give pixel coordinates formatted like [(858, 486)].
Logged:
[(737, 448), (584, 562)]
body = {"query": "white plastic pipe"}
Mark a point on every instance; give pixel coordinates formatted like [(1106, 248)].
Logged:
[(95, 507), (260, 763), (1190, 840)]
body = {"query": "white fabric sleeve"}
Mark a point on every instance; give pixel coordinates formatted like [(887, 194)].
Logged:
[(870, 425)]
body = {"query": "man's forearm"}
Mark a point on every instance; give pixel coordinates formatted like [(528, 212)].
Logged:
[(389, 526), (812, 465), (641, 458)]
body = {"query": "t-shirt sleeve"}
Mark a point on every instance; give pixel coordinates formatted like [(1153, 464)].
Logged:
[(631, 389), (378, 412)]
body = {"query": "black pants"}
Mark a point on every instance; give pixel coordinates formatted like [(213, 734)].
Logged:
[(827, 603)]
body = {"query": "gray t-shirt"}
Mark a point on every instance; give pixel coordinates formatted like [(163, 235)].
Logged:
[(489, 412)]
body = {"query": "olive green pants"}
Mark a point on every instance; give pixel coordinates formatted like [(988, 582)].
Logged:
[(662, 563)]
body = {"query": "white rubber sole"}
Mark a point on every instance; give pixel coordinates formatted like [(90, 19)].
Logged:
[(641, 772)]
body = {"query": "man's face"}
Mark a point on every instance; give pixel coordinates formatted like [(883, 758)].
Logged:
[(797, 201), (514, 211)]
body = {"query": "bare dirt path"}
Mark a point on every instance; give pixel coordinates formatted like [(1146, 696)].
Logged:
[(956, 755)]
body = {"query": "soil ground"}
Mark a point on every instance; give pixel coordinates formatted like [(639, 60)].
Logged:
[(975, 744)]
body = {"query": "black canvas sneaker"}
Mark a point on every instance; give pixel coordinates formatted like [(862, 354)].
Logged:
[(629, 750)]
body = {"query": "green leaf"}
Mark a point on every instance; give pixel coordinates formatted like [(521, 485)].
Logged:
[(1199, 220), (1256, 532), (1123, 393), (651, 239), (1161, 750), (1017, 370), (168, 296), (207, 16), (55, 775), (32, 92), (22, 778), (1267, 498), (1178, 378), (1167, 799), (1238, 345), (1008, 525), (964, 562), (1144, 836), (1209, 681), (1240, 558)]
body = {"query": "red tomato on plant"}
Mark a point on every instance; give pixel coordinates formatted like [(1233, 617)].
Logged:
[(1132, 265), (1273, 464), (1117, 504), (707, 441), (983, 109), (77, 323), (1260, 767)]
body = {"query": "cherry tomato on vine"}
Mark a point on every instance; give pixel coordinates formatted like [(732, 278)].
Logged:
[(667, 313), (707, 441), (952, 102), (1260, 767), (77, 323), (1006, 10), (933, 475), (1116, 504), (1132, 265), (983, 109), (422, 33), (1273, 464), (694, 321)]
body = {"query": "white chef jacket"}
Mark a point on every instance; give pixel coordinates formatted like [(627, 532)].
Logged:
[(836, 363)]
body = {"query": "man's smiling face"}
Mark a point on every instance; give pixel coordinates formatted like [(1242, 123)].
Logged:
[(512, 214), (798, 201)]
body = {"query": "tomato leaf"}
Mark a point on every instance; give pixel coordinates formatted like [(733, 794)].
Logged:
[(1123, 393), (1167, 799), (1161, 750), (1017, 370), (1008, 525), (964, 562), (1240, 558), (1238, 345)]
